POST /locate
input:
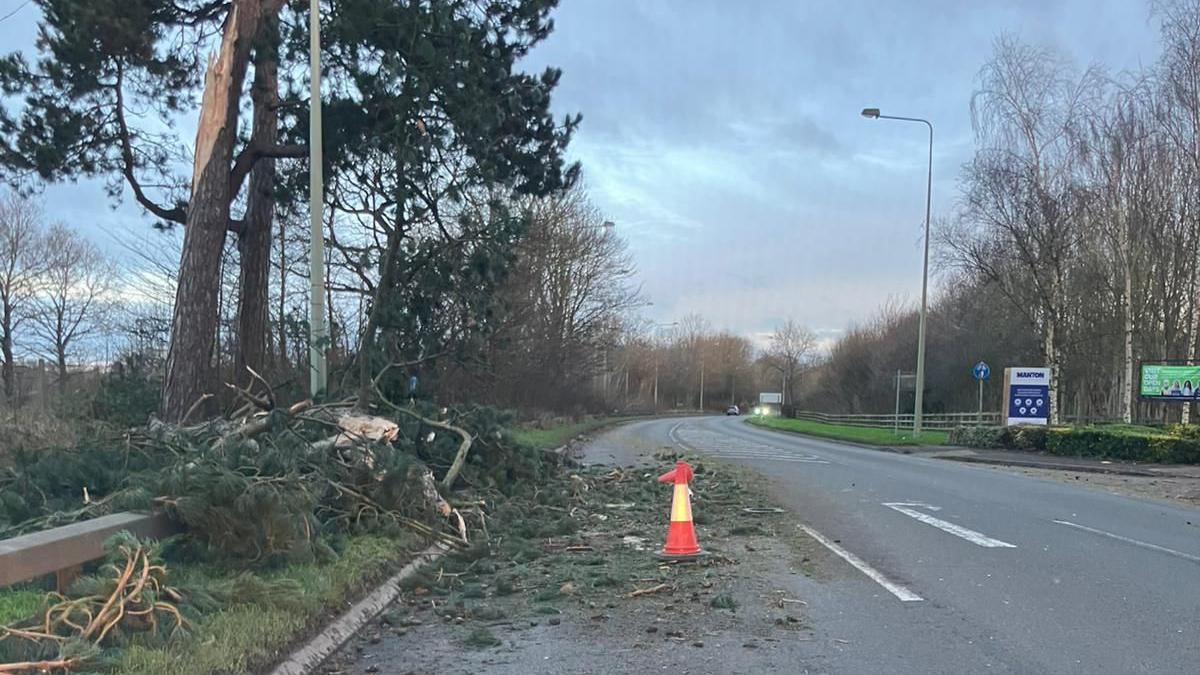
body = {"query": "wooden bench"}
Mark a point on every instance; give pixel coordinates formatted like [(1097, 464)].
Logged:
[(63, 550)]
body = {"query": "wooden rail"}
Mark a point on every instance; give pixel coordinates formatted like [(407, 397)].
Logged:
[(943, 421), (62, 550)]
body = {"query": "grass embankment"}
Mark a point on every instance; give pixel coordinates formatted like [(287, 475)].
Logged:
[(561, 434), (250, 636), (252, 633), (840, 432)]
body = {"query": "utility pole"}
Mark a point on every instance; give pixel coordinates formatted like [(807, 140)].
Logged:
[(702, 385), (317, 330)]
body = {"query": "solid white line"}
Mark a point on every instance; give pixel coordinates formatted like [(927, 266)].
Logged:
[(970, 535), (875, 575), (1135, 542)]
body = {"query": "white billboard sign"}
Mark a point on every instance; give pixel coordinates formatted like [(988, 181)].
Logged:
[(768, 397)]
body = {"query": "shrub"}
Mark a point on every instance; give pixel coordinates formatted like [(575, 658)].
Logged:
[(129, 392), (1123, 445), (1027, 438), (978, 437)]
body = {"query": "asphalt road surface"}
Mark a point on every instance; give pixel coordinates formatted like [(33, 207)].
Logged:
[(950, 568)]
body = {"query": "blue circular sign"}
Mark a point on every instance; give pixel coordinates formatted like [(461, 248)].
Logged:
[(981, 371)]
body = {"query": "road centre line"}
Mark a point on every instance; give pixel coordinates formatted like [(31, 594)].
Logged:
[(873, 574), (977, 538), (1135, 542)]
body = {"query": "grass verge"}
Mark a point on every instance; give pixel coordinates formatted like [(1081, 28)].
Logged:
[(559, 435), (18, 604), (253, 632), (840, 432)]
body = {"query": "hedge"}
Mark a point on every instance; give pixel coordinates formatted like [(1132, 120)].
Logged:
[(1174, 445)]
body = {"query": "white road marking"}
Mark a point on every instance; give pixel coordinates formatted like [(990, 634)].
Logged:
[(923, 505), (972, 536), (671, 433), (875, 575), (1135, 542)]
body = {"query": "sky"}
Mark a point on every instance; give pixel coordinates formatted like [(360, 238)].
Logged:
[(724, 139)]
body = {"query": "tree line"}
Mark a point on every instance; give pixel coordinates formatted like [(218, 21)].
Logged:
[(433, 141), (1073, 242)]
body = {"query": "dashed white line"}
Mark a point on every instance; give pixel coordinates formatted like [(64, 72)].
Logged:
[(977, 538), (1128, 540), (873, 574)]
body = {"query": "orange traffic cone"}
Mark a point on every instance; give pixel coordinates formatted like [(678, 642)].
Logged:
[(681, 534)]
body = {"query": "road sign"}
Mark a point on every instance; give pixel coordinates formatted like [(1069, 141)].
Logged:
[(770, 397), (1027, 399), (981, 371)]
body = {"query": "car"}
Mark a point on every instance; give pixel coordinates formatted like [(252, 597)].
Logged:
[(733, 410)]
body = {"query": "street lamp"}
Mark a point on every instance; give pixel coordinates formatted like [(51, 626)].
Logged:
[(657, 328), (873, 113), (318, 375)]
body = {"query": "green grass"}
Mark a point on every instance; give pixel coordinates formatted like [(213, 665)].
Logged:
[(840, 432), (247, 637), (18, 605), (559, 435)]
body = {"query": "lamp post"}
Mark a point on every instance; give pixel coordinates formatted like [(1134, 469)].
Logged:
[(873, 113), (657, 328), (318, 375)]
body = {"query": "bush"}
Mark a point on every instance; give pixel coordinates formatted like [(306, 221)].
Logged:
[(1123, 445), (1174, 445), (1026, 438), (129, 392), (978, 437)]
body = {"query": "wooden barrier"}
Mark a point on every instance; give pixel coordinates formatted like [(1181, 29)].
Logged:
[(63, 550)]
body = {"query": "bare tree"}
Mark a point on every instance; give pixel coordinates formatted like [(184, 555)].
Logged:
[(792, 347), (1021, 188), (21, 262), (71, 290), (1179, 72)]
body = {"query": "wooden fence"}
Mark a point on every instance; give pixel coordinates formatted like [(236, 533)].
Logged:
[(939, 421), (63, 550)]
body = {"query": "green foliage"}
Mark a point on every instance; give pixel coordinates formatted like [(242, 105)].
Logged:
[(1173, 445), (128, 392), (18, 605), (260, 614), (723, 601), (1027, 438), (978, 437), (1122, 445)]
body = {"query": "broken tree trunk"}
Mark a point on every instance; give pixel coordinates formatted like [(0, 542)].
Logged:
[(254, 238)]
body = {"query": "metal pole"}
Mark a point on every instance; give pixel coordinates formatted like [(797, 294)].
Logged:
[(981, 402), (702, 386), (918, 406), (656, 383), (318, 332), (896, 419), (918, 403)]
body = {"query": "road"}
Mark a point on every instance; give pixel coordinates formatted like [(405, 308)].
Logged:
[(950, 568)]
